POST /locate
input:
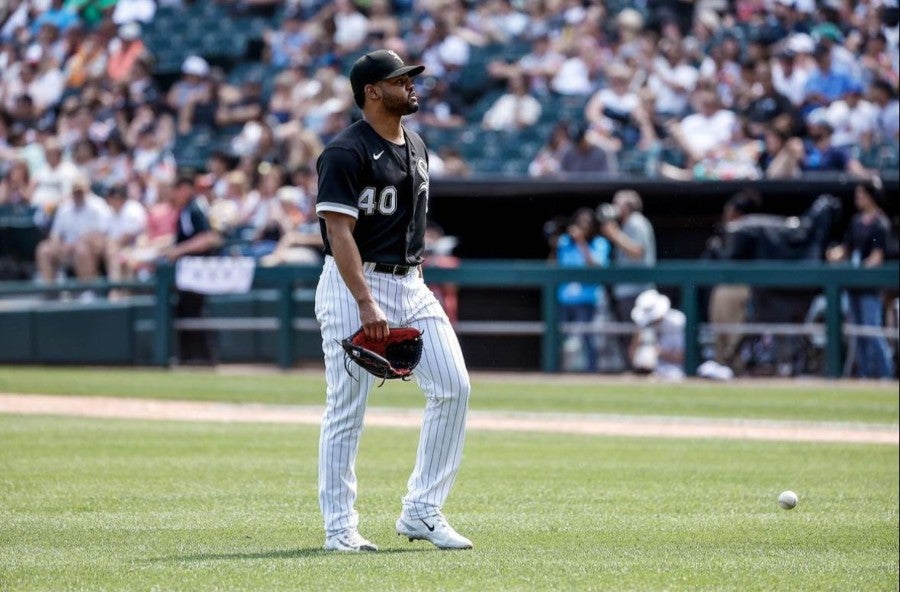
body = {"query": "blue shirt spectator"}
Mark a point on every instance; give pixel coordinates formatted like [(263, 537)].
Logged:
[(827, 84)]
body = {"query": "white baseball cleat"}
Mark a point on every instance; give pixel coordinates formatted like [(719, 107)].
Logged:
[(433, 529), (348, 541)]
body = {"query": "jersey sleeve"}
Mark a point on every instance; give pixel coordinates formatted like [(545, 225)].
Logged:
[(339, 171)]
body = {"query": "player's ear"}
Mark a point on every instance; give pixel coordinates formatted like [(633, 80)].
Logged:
[(371, 91)]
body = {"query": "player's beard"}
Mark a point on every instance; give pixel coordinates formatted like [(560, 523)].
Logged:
[(398, 106)]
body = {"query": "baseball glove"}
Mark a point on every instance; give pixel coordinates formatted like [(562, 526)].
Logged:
[(395, 357)]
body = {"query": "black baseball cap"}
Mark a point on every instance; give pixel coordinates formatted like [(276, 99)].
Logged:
[(376, 66)]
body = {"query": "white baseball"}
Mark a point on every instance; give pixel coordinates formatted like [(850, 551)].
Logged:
[(787, 500)]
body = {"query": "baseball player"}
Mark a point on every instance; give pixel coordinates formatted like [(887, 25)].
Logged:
[(372, 204)]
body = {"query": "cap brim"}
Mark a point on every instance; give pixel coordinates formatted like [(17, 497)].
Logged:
[(405, 70)]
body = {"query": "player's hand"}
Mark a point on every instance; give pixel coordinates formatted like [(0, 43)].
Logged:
[(373, 320)]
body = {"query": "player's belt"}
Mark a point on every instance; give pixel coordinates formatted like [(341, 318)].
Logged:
[(390, 268)]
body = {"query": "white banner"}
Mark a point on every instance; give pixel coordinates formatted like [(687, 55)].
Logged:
[(215, 275)]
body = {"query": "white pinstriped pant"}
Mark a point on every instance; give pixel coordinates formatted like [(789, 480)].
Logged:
[(441, 374)]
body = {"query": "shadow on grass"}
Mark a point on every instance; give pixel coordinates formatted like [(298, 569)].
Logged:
[(277, 554)]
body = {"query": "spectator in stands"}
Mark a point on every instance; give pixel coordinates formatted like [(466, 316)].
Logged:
[(610, 109), (514, 110), (138, 260), (852, 118), (87, 61), (40, 79), (737, 159), (242, 204), (583, 156), (300, 239), (264, 227), (582, 246), (15, 186), (290, 44), (124, 52), (818, 153), (574, 76), (141, 86), (633, 241), (721, 69), (672, 80), (826, 84), (77, 236), (776, 160), (281, 100), (766, 103), (113, 165), (629, 27), (865, 245), (548, 160), (193, 92), (887, 127), (350, 26), (705, 132), (830, 36), (148, 157), (237, 105), (128, 221), (51, 182), (56, 14), (657, 347), (790, 74), (441, 108), (539, 65), (130, 11), (454, 165)]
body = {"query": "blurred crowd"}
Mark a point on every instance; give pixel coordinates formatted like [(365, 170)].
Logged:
[(696, 90)]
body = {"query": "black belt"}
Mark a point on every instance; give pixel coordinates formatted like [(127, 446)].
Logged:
[(392, 269)]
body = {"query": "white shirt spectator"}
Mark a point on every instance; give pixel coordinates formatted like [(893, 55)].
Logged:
[(572, 78), (51, 184), (512, 111), (539, 65), (454, 51), (72, 223), (129, 11), (47, 88), (704, 134), (350, 29), (131, 219), (792, 86), (850, 123), (665, 81)]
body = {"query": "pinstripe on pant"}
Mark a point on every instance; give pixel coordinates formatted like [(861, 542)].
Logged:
[(441, 374)]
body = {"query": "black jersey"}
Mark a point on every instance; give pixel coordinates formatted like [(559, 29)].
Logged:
[(193, 219), (383, 185)]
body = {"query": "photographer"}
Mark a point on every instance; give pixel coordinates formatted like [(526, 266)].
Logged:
[(633, 240)]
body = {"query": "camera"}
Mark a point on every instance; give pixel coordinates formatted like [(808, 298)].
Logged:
[(607, 212)]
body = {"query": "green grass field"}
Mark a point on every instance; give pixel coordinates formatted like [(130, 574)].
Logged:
[(89, 504)]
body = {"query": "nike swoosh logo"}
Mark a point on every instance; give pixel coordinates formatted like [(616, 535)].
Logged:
[(428, 526), (378, 155)]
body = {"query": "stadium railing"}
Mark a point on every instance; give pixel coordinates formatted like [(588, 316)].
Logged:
[(687, 276)]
